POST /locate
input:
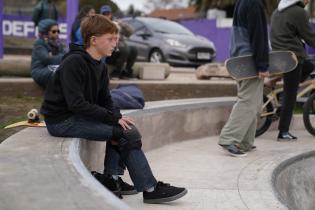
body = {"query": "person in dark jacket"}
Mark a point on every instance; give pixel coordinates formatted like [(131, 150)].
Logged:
[(47, 52), (45, 9), (78, 104), (290, 28), (249, 37), (125, 56), (84, 12)]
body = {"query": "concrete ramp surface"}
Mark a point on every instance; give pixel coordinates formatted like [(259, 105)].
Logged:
[(294, 182)]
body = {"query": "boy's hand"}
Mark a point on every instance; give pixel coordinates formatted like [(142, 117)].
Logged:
[(263, 75), (125, 122)]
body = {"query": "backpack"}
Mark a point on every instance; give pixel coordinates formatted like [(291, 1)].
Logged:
[(127, 97)]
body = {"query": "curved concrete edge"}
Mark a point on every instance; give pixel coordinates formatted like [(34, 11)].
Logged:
[(293, 183), (38, 171), (89, 180), (165, 122)]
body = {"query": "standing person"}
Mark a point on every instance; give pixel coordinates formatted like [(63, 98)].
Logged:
[(47, 52), (290, 27), (126, 55), (45, 9), (77, 103), (249, 37), (85, 11)]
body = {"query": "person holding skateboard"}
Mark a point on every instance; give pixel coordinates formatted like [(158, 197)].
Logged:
[(290, 28), (249, 37), (77, 103)]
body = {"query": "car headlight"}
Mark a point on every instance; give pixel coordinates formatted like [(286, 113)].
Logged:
[(175, 43)]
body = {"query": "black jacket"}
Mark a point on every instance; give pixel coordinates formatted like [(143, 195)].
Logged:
[(249, 32), (80, 86), (289, 27)]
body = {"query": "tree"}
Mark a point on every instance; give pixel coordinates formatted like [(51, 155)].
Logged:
[(204, 5), (133, 12), (163, 4)]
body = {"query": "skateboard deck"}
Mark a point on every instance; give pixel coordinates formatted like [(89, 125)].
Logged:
[(243, 67), (26, 123), (33, 120)]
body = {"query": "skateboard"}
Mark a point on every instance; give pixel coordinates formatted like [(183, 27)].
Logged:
[(243, 67), (33, 120)]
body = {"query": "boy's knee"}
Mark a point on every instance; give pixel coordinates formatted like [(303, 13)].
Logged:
[(128, 139)]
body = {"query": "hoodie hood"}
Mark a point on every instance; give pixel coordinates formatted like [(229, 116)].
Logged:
[(287, 3), (78, 49)]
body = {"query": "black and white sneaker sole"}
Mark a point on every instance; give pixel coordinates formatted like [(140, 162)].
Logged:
[(235, 154), (164, 200)]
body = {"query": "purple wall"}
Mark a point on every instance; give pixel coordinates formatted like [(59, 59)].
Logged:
[(219, 36), (71, 14), (1, 34)]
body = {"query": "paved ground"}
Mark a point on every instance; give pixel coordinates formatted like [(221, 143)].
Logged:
[(217, 181)]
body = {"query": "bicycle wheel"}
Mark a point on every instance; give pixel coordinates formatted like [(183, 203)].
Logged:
[(263, 123), (309, 114)]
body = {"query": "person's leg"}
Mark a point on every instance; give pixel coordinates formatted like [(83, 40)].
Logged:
[(129, 142), (244, 112), (79, 127), (113, 165), (290, 87), (82, 128), (132, 56), (119, 60), (307, 69), (248, 140)]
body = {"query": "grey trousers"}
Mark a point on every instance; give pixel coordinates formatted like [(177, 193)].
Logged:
[(241, 126)]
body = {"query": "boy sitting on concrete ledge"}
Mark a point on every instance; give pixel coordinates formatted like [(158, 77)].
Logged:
[(77, 104)]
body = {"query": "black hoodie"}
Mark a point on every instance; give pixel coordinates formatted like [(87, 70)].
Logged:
[(80, 86)]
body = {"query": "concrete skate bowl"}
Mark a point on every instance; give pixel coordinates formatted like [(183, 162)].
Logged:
[(294, 182), (165, 122), (55, 171)]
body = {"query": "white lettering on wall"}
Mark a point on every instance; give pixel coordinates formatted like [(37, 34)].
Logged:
[(26, 29)]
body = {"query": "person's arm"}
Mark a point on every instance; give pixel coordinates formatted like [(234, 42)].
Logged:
[(304, 28), (42, 54), (72, 77), (258, 35)]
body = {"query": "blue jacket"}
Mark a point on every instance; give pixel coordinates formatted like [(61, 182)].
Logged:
[(249, 32), (45, 54)]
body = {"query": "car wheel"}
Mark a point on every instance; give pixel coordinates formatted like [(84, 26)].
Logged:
[(156, 56)]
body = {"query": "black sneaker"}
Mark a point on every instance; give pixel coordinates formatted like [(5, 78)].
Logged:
[(233, 150), (286, 136), (108, 182), (125, 188), (163, 193)]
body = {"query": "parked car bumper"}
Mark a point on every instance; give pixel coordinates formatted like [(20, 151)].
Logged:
[(189, 57)]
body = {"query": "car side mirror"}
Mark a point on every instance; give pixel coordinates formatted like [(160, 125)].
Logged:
[(144, 35)]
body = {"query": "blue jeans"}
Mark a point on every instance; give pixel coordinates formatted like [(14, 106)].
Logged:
[(136, 162)]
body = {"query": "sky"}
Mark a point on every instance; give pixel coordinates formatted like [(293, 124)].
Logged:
[(138, 4)]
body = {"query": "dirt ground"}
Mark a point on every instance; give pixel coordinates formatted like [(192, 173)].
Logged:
[(14, 109)]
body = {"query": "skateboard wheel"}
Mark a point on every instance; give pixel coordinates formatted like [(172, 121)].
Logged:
[(33, 114)]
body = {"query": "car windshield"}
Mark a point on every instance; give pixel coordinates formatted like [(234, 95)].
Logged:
[(165, 26)]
